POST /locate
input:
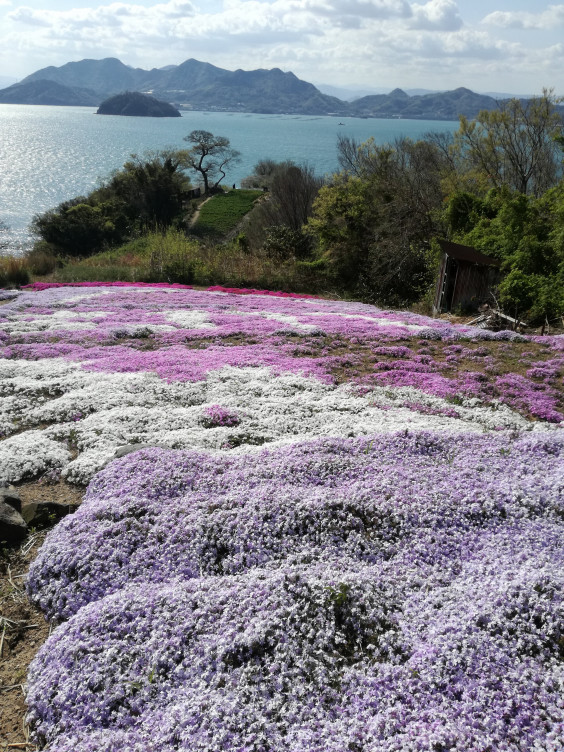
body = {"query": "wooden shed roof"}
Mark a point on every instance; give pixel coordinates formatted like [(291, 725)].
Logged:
[(467, 253)]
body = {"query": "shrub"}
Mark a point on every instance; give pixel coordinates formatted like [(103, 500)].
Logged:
[(41, 259), (13, 272), (283, 242)]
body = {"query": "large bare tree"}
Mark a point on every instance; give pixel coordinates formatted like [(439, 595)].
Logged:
[(210, 156)]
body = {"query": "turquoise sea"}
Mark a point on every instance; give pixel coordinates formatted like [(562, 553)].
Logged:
[(50, 154)]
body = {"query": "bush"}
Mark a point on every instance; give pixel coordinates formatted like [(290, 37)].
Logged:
[(283, 242), (41, 260), (13, 272), (146, 193)]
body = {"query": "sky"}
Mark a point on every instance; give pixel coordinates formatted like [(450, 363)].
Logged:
[(508, 46)]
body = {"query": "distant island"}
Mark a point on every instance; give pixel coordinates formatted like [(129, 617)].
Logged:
[(135, 104), (194, 85)]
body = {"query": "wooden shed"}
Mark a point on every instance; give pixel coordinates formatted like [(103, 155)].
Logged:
[(466, 277)]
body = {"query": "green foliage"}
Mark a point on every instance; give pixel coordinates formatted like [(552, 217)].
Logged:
[(516, 145), (518, 291), (282, 242), (526, 234), (13, 271), (287, 203), (345, 216), (172, 258), (263, 173), (145, 194), (41, 259), (464, 210), (375, 222), (75, 229)]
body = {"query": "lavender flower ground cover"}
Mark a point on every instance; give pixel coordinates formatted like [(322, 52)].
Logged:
[(345, 531)]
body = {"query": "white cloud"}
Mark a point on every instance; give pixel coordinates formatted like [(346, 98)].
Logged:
[(105, 15), (370, 42), (436, 15), (381, 9), (29, 16), (552, 17)]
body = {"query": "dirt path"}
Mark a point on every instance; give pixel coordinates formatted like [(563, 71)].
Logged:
[(194, 217)]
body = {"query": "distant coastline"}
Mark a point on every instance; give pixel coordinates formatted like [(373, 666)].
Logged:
[(193, 86)]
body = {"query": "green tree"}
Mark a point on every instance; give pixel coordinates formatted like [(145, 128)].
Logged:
[(74, 228), (375, 222), (147, 193), (282, 242), (526, 234), (210, 156), (517, 145), (263, 173)]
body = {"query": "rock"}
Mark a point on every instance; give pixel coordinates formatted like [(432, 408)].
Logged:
[(10, 495), (43, 513), (128, 448), (12, 524)]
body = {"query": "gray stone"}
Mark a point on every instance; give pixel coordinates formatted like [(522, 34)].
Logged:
[(9, 495), (122, 451), (46, 512), (12, 524)]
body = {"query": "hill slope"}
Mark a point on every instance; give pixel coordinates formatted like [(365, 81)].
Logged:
[(49, 92), (197, 85)]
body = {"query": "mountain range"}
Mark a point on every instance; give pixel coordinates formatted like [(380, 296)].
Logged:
[(194, 85)]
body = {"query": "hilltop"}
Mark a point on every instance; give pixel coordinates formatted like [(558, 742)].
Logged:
[(135, 104)]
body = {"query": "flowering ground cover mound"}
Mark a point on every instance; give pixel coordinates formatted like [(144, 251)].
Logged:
[(334, 527)]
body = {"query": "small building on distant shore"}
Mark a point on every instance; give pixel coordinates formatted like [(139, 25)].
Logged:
[(466, 277)]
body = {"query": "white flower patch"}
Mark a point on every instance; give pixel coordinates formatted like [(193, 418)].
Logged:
[(291, 323), (189, 319), (14, 412), (56, 390), (78, 293), (372, 319), (99, 412), (29, 454), (9, 294), (113, 410), (48, 377), (64, 320)]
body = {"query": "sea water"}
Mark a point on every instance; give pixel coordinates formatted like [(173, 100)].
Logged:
[(51, 154)]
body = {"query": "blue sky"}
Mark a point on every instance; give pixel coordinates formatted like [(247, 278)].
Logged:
[(508, 46)]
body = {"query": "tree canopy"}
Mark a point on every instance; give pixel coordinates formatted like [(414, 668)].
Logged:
[(147, 193), (375, 221), (518, 145)]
